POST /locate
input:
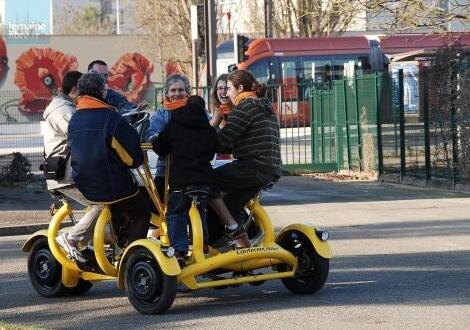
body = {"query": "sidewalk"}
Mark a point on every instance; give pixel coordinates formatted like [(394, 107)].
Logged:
[(294, 199), (24, 209)]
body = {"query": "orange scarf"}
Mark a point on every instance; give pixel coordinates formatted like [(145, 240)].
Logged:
[(225, 109), (172, 105), (89, 102), (243, 96)]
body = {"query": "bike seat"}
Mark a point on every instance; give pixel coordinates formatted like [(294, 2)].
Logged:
[(268, 186), (56, 193), (200, 191)]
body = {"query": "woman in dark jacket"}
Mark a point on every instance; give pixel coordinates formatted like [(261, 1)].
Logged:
[(191, 142)]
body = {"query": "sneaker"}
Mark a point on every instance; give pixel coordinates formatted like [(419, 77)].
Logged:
[(238, 234), (181, 258), (70, 248)]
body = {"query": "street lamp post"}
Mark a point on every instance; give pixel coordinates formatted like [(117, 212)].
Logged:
[(209, 11)]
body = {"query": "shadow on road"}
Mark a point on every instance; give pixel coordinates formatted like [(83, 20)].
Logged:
[(425, 278), (296, 190), (433, 278), (410, 229)]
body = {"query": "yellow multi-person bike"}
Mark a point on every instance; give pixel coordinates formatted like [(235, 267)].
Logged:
[(148, 270)]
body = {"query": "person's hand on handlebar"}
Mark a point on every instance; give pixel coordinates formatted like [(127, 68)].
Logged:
[(140, 107)]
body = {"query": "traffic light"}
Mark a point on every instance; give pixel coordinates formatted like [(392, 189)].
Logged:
[(241, 46)]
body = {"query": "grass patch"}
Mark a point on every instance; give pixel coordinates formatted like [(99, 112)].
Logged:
[(11, 326)]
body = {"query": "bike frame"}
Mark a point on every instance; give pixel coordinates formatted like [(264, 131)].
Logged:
[(242, 261)]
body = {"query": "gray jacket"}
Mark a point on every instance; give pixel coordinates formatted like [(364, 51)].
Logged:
[(57, 116)]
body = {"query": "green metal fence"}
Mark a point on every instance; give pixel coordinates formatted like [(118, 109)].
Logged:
[(345, 123)]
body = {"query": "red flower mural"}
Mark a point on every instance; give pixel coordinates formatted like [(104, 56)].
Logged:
[(130, 76), (172, 66), (3, 60), (39, 73)]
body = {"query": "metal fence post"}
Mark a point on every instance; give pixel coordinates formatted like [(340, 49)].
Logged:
[(322, 129), (453, 100), (359, 133), (339, 130), (348, 144), (427, 137), (402, 124), (379, 124)]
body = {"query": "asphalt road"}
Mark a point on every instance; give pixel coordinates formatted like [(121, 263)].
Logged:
[(402, 260)]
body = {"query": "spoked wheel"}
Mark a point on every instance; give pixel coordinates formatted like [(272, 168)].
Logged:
[(44, 271), (312, 270), (149, 290)]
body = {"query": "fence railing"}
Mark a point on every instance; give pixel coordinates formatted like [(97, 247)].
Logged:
[(369, 122)]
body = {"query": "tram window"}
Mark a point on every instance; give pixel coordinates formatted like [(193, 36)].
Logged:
[(317, 71), (260, 70), (288, 71), (338, 69), (289, 80), (349, 66), (364, 64)]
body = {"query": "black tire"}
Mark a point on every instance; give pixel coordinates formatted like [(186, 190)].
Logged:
[(82, 287), (45, 272), (149, 290), (313, 269)]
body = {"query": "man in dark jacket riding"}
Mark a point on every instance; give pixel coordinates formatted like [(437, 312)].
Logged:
[(104, 147)]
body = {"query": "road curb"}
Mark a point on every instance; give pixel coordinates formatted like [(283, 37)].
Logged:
[(22, 230), (25, 229)]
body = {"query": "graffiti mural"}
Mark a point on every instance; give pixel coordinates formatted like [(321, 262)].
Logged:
[(3, 61), (130, 76), (38, 75)]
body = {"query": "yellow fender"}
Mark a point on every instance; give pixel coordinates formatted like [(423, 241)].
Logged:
[(33, 238), (322, 248), (168, 265)]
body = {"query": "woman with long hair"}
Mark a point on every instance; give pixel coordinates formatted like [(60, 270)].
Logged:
[(223, 107), (252, 135), (221, 101)]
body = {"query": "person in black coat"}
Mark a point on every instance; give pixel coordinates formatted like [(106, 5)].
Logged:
[(191, 142)]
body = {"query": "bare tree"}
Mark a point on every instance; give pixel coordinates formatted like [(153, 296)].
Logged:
[(82, 20), (166, 29), (309, 18), (428, 15)]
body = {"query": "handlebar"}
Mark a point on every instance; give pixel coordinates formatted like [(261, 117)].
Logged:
[(140, 117)]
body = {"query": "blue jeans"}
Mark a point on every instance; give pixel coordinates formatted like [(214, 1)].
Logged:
[(178, 218)]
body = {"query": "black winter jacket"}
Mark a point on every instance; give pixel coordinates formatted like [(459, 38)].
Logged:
[(191, 142)]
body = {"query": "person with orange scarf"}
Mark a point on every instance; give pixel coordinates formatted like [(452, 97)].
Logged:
[(104, 148), (223, 107), (176, 92), (252, 135)]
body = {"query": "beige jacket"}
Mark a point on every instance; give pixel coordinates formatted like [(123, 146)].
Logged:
[(57, 116)]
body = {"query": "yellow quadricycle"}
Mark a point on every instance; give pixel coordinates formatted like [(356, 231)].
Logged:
[(148, 270)]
